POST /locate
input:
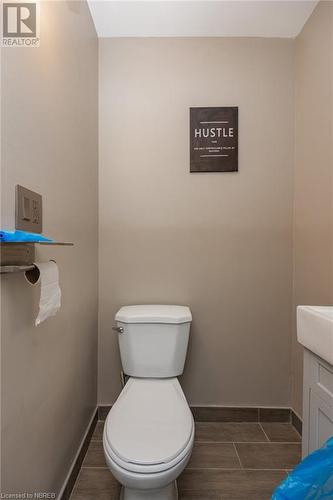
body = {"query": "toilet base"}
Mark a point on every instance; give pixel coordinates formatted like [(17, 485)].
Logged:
[(169, 492)]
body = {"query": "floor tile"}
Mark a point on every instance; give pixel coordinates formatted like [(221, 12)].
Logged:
[(96, 484), (98, 433), (214, 471), (229, 432), (220, 414), (214, 455), (199, 495), (268, 455), (279, 432), (229, 485), (95, 455)]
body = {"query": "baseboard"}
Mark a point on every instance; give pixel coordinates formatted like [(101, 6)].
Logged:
[(296, 421), (233, 414), (240, 414), (69, 482), (103, 411)]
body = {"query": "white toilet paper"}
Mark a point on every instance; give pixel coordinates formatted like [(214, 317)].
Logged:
[(47, 274)]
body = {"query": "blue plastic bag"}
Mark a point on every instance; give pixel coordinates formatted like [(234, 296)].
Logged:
[(312, 479), (21, 236)]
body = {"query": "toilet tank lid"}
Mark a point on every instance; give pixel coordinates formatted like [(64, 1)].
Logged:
[(154, 314)]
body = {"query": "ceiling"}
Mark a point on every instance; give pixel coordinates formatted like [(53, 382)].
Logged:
[(205, 18)]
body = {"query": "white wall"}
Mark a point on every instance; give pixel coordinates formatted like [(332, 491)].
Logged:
[(49, 144), (221, 243), (313, 222)]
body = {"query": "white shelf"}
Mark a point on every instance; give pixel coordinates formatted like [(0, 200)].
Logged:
[(15, 269)]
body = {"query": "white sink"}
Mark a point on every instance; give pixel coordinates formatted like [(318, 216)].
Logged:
[(315, 330)]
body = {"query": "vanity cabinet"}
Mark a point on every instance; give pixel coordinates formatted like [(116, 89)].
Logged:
[(317, 402)]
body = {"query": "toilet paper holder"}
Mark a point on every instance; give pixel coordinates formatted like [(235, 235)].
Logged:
[(32, 272), (17, 269)]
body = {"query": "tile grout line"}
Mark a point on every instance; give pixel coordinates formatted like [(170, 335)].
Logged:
[(199, 441), (237, 469), (246, 442), (223, 422), (95, 467), (263, 430), (236, 451)]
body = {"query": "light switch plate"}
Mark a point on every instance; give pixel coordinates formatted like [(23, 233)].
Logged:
[(28, 210)]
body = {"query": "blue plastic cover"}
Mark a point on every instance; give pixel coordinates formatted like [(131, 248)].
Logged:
[(312, 479), (21, 236)]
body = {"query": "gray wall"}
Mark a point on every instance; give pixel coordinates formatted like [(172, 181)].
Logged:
[(313, 234), (49, 140), (221, 243)]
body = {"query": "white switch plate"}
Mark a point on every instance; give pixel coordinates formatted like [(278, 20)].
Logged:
[(28, 210)]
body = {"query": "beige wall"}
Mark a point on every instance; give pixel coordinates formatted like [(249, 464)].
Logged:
[(313, 234), (221, 243), (49, 140)]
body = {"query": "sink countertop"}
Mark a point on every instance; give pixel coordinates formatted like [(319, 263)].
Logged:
[(315, 330)]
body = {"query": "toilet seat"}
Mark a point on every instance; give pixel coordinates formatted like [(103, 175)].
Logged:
[(150, 428)]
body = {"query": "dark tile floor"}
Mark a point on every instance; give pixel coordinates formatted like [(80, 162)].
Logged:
[(230, 461)]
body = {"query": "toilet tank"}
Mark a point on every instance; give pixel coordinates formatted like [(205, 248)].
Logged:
[(153, 343)]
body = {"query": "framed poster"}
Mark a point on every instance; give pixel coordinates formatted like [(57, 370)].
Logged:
[(214, 139)]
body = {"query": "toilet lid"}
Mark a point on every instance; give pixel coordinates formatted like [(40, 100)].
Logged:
[(150, 423)]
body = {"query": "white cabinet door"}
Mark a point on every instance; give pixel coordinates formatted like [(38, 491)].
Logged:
[(320, 421)]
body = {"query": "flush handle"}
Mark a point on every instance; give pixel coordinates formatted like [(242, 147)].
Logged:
[(118, 329)]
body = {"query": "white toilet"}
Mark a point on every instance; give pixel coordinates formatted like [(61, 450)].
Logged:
[(149, 432)]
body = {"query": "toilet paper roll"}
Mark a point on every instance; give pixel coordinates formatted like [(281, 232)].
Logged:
[(47, 274)]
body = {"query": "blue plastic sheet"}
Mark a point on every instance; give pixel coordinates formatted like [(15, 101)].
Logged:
[(21, 236), (312, 479)]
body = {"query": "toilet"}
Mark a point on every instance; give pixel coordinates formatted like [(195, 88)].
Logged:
[(149, 432)]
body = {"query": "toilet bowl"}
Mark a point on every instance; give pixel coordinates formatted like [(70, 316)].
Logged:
[(148, 438), (149, 432)]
